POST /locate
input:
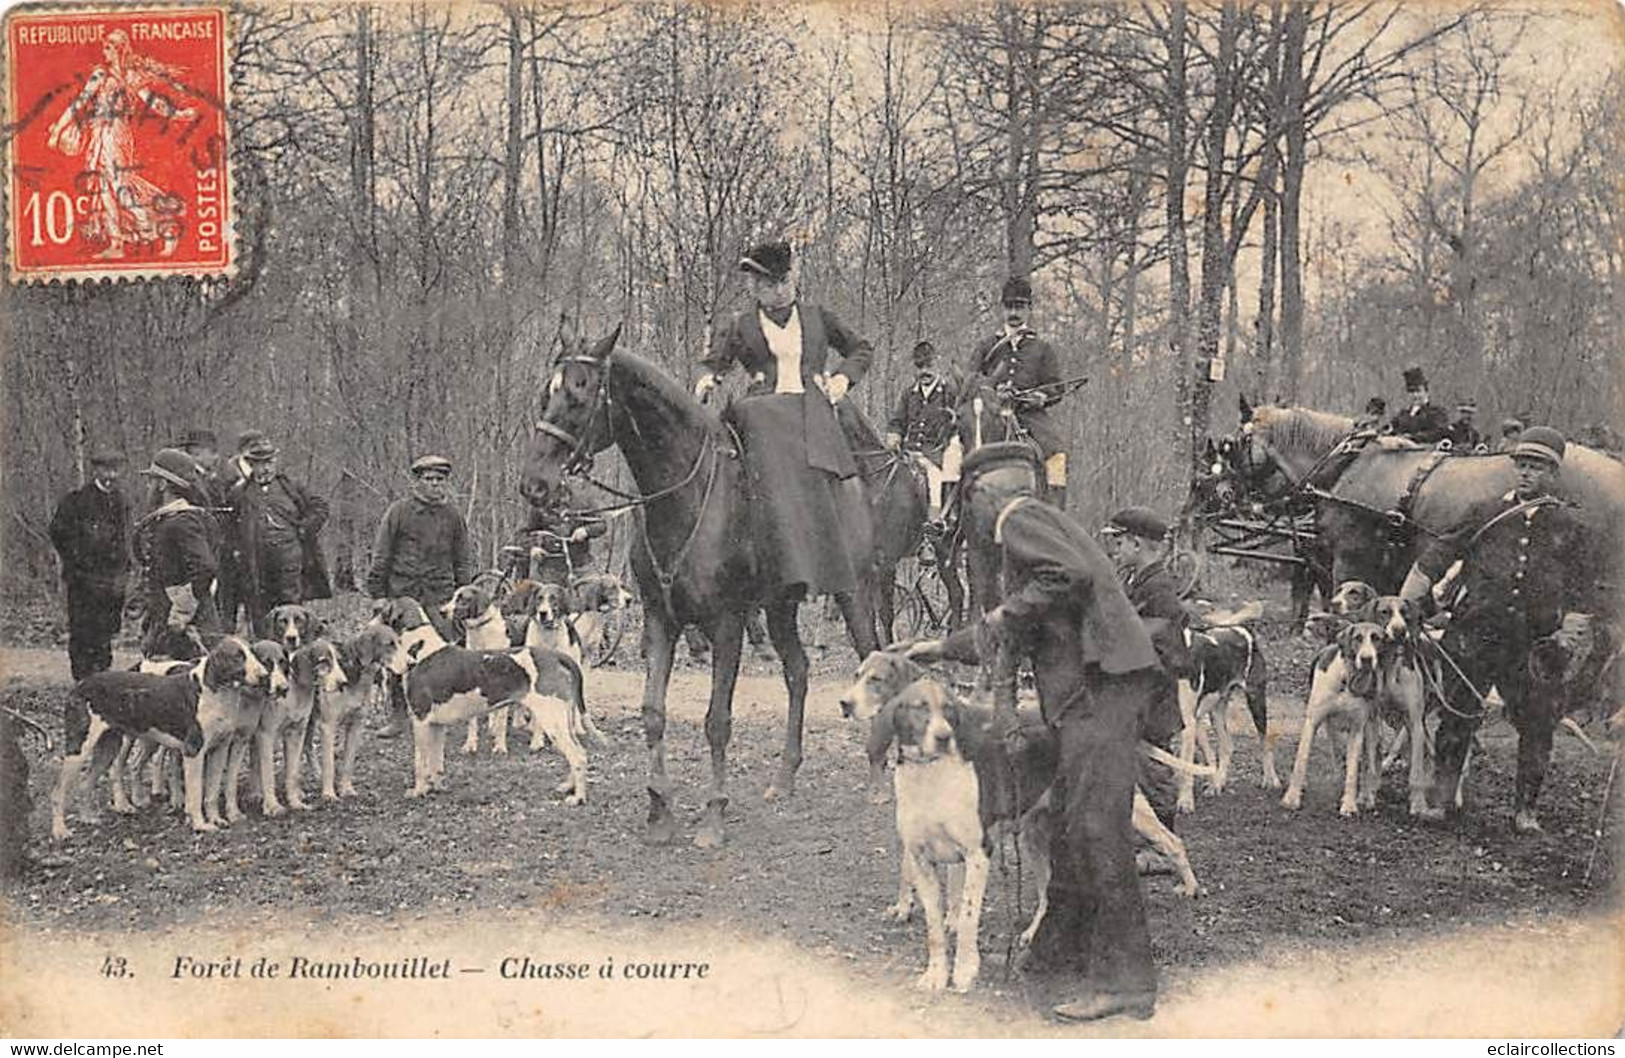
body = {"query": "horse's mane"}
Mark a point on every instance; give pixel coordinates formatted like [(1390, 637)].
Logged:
[(656, 377), (1302, 429)]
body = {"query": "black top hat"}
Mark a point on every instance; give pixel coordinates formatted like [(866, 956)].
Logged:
[(924, 353), (1017, 291), (770, 260), (1415, 379)]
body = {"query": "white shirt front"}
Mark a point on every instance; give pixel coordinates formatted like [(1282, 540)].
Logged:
[(785, 345)]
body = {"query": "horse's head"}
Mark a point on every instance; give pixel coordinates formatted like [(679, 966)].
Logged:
[(575, 421)]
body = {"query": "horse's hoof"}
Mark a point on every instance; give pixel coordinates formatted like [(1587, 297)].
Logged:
[(782, 789)]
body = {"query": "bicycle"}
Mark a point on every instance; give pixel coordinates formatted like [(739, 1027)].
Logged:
[(604, 634)]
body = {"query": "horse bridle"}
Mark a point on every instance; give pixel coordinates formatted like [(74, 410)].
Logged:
[(580, 456)]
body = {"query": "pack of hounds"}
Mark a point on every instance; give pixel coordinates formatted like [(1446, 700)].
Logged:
[(191, 717), (956, 798), (189, 723)]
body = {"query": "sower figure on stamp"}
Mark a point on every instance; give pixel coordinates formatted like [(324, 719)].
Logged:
[(1137, 538), (1098, 678), (1522, 556), (801, 475), (923, 424), (1018, 360), (422, 553), (91, 532)]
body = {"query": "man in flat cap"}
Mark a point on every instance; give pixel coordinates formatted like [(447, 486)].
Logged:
[(1519, 565), (1097, 674), (282, 520), (421, 552), (923, 423), (91, 533), (1017, 359), (1421, 420), (1137, 539)]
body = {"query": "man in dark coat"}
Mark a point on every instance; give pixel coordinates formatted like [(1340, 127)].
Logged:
[(923, 423), (1138, 540), (1519, 555), (806, 496), (1422, 421), (286, 520), (1464, 436), (91, 532), (1020, 361), (1097, 673), (179, 542), (239, 544), (421, 552)]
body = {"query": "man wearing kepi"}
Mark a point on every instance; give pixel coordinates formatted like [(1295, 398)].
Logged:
[(1098, 675), (1020, 360), (90, 531), (1522, 556), (421, 553), (800, 472)]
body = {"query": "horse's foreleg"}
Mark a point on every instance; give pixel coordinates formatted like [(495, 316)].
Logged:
[(857, 610), (727, 639), (781, 625), (659, 644), (885, 600)]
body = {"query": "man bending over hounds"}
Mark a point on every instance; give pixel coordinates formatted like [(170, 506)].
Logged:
[(1098, 676)]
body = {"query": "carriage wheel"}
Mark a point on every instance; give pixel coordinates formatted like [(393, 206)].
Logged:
[(611, 630)]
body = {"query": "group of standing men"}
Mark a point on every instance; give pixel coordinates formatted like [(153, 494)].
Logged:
[(219, 536)]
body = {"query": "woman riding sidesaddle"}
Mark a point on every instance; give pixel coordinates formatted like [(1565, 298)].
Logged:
[(799, 468)]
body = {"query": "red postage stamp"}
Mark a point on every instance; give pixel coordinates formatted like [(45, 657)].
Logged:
[(117, 151)]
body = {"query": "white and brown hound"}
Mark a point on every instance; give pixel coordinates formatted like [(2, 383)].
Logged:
[(188, 711), (359, 661), (291, 625), (1343, 692), (314, 673), (447, 684), (1229, 663), (474, 608)]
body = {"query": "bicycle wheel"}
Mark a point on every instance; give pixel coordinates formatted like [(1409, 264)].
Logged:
[(612, 627), (1186, 567)]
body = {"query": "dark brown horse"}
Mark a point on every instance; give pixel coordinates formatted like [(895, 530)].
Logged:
[(692, 557)]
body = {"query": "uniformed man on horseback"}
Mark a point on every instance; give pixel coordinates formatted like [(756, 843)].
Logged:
[(806, 496), (923, 423), (1019, 362), (1518, 554), (1422, 421)]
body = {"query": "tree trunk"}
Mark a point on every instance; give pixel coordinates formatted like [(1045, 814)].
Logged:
[(1292, 96), (511, 156), (1179, 271), (1215, 252)]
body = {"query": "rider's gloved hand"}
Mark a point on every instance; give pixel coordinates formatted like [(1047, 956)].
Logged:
[(579, 535), (894, 440), (703, 386), (836, 387)]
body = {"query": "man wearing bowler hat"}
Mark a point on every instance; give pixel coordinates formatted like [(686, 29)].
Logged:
[(1018, 359), (1098, 676), (1520, 555), (91, 532)]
